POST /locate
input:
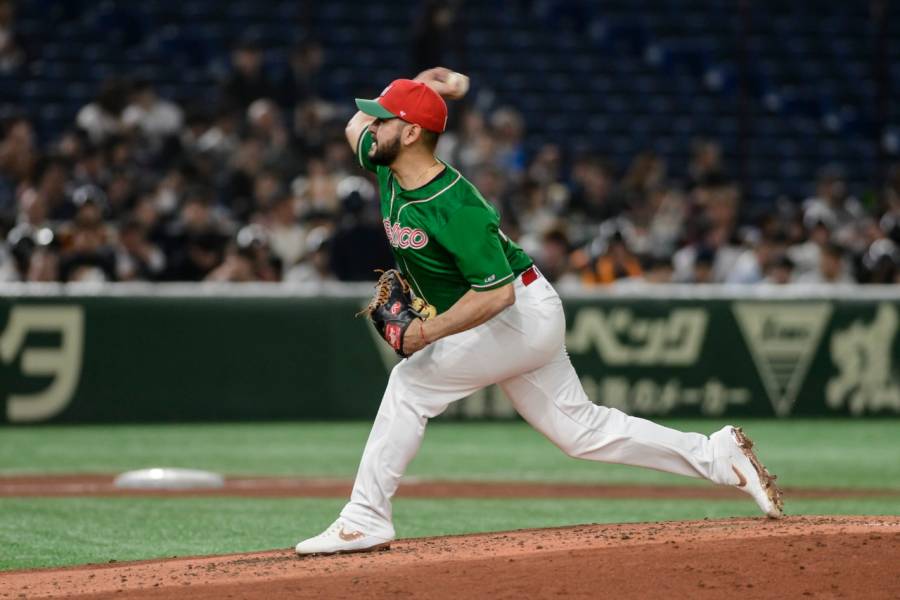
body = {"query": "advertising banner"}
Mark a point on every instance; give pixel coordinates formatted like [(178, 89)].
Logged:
[(121, 358)]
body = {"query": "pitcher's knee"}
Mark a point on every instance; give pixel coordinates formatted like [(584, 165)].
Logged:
[(572, 449), (588, 422), (568, 441)]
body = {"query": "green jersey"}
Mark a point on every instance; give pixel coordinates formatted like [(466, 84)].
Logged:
[(445, 235)]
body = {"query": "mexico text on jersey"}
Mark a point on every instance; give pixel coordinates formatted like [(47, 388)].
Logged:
[(404, 237)]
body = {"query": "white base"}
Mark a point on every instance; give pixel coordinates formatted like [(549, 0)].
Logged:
[(169, 479)]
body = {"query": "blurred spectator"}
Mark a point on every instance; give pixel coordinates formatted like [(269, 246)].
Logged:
[(248, 81), (316, 266), (32, 209), (714, 208), (18, 157), (137, 259), (239, 188), (476, 146), (667, 211), (28, 255), (832, 203), (36, 254), (101, 118), (779, 270), (313, 123), (195, 240), (153, 117), (537, 208), (702, 271), (90, 167), (753, 264), (44, 264), (39, 198), (12, 54), (881, 263), (319, 188), (87, 252), (658, 270), (593, 183), (267, 126), (218, 139), (831, 268), (508, 129), (267, 188), (807, 256), (287, 238), (616, 262), (546, 167), (69, 145), (705, 163), (553, 257), (340, 161), (121, 193), (646, 173), (359, 245), (247, 259)]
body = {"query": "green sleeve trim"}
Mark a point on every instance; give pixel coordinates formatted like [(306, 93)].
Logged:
[(494, 284)]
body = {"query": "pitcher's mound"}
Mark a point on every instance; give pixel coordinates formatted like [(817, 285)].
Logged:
[(797, 557)]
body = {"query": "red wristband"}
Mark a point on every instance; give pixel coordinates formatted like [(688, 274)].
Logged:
[(422, 331)]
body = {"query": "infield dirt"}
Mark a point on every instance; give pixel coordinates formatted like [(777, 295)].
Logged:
[(797, 557)]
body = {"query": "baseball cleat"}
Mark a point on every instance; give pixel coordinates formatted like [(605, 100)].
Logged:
[(744, 470), (340, 538)]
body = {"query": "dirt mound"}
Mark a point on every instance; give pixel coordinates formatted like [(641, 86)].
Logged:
[(271, 487), (797, 557)]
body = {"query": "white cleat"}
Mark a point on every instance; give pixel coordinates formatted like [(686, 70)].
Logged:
[(340, 538), (741, 468)]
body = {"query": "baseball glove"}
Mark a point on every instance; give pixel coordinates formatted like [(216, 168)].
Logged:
[(394, 307)]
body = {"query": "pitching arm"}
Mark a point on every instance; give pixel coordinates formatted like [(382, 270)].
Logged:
[(355, 127)]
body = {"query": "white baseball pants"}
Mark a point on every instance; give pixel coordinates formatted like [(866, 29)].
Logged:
[(522, 349)]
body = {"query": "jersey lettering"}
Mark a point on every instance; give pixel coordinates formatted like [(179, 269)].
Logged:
[(405, 237)]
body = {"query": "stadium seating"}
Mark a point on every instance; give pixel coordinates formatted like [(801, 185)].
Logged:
[(616, 76)]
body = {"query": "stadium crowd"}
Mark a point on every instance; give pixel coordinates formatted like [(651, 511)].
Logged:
[(262, 186)]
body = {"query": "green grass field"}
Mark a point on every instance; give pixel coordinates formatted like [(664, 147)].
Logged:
[(37, 532)]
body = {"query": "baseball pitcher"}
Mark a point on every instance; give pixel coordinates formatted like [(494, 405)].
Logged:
[(468, 309)]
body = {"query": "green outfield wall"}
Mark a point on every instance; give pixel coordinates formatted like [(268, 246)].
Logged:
[(126, 354)]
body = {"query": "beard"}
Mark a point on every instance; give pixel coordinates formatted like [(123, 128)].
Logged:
[(386, 153)]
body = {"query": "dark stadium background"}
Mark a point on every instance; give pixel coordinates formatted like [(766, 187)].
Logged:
[(672, 140)]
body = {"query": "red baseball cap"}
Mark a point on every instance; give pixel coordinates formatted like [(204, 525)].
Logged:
[(411, 101)]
